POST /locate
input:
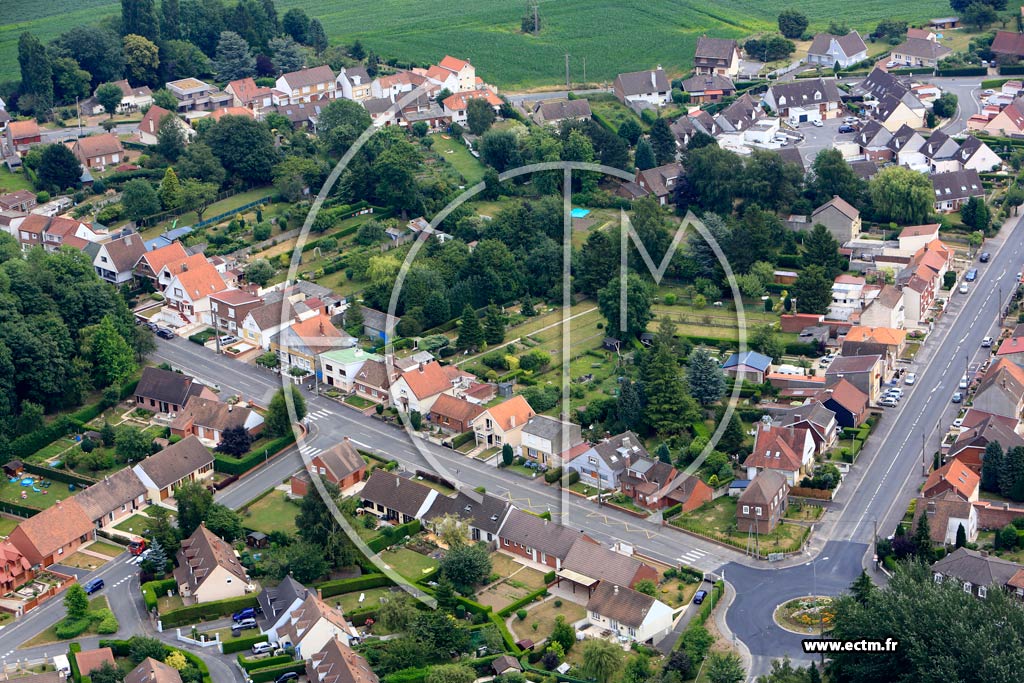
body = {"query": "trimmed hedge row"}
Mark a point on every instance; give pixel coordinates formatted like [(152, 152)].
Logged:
[(672, 511), (511, 608), (462, 439), (265, 663), (73, 649), (963, 71), (152, 590), (59, 475), (271, 673), (411, 675), (228, 465), (239, 644), (393, 535), (332, 588), (27, 444), (206, 610), (1011, 69)]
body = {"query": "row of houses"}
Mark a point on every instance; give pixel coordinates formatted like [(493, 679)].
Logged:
[(605, 577)]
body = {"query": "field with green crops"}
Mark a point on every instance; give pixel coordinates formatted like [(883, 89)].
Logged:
[(613, 35)]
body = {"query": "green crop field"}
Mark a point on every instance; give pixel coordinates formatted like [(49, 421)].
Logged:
[(613, 35)]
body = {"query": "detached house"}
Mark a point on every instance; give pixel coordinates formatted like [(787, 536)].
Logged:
[(978, 572), (946, 513), (503, 424), (208, 419), (953, 189), (763, 503), (340, 464), (115, 260), (549, 441), (603, 464), (336, 662), (55, 533), (1010, 121), (787, 450), (277, 604), (819, 421), (464, 72), (189, 291), (840, 217), (152, 670), (919, 52), (827, 50), (659, 182), (553, 112), (20, 200), (456, 106), (149, 126), (22, 135), (132, 99), (975, 155), (313, 624), (589, 564), (978, 430), (1001, 391), (416, 389), (182, 462), (812, 99), (750, 366), (208, 569), (954, 476), (164, 391), (643, 89), (194, 95), (704, 89), (629, 613), (716, 56), (98, 151), (307, 85), (354, 83), (1008, 44)]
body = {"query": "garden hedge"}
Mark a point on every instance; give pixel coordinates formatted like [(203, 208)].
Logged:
[(152, 590), (550, 576), (462, 439), (570, 477), (271, 673), (239, 644), (1011, 69), (411, 675), (511, 608), (58, 475), (226, 464), (206, 611), (340, 586), (553, 475), (672, 511), (265, 663), (121, 648), (963, 71), (73, 649), (392, 535)]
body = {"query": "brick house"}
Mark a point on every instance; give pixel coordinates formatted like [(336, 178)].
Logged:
[(340, 464), (761, 506), (453, 415), (98, 151), (164, 391), (208, 419), (53, 534)]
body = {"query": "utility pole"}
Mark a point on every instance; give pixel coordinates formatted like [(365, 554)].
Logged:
[(584, 72), (78, 110), (924, 455), (567, 86), (536, 17)]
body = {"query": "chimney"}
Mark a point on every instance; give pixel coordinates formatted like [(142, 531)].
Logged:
[(626, 444), (616, 590), (184, 267), (230, 407), (398, 482), (512, 421), (346, 440), (421, 367)]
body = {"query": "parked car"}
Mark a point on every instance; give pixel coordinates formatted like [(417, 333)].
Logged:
[(985, 257), (247, 613), (244, 625), (971, 275), (93, 586), (699, 596), (910, 378), (986, 343), (850, 119), (287, 676), (963, 382), (164, 333), (816, 123), (888, 402), (957, 397), (958, 423), (153, 327), (228, 339), (989, 91), (846, 128), (262, 648), (895, 392), (964, 288)]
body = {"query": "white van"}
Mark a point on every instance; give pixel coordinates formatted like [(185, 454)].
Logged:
[(62, 665)]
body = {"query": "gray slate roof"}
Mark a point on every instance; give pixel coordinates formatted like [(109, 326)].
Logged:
[(551, 429), (604, 564), (486, 512), (274, 601), (619, 450), (620, 603), (546, 536), (641, 82), (971, 566)]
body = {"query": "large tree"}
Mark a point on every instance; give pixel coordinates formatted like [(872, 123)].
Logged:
[(138, 17), (977, 639), (1011, 474), (288, 55), (58, 168), (901, 195), (669, 408), (199, 162), (170, 138), (813, 290), (139, 199), (278, 421), (96, 49), (822, 249), (471, 334), (597, 263), (466, 565), (109, 95), (792, 23), (663, 142), (714, 173), (340, 123), (244, 147), (141, 60), (36, 73), (704, 377), (317, 527), (170, 20), (494, 325), (771, 182), (479, 115), (171, 196), (70, 81), (233, 60), (295, 23), (831, 176), (112, 357), (601, 660), (991, 465), (198, 195), (644, 157), (194, 502), (638, 306), (725, 668)]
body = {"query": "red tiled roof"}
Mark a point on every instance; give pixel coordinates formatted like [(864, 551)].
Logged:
[(453, 64), (776, 448), (460, 100), (958, 475), (515, 412)]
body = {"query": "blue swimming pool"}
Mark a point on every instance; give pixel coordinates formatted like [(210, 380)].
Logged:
[(580, 213)]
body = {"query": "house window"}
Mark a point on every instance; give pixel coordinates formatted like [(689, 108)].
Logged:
[(323, 471), (757, 511), (746, 509), (595, 615), (982, 591), (632, 632), (506, 542), (967, 587)]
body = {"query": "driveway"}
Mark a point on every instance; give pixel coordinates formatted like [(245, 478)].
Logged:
[(817, 139)]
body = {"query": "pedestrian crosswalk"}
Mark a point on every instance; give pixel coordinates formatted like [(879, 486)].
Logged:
[(691, 556), (308, 450), (318, 415)]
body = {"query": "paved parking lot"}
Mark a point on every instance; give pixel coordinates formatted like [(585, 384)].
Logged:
[(817, 139)]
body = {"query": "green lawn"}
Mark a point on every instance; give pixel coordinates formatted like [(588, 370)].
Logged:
[(108, 549), (49, 635), (7, 526), (13, 181), (350, 601), (456, 154), (271, 513), (227, 204), (136, 524), (44, 498), (408, 563), (614, 37), (717, 519), (608, 109)]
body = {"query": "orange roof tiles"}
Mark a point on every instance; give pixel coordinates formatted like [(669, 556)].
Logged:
[(958, 475), (427, 379), (881, 335), (453, 64), (512, 413), (460, 100)]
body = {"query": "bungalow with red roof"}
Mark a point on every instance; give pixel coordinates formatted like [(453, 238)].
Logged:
[(457, 105), (788, 450), (88, 661), (208, 419), (503, 424), (20, 200), (1008, 44), (98, 151), (53, 534), (953, 476)]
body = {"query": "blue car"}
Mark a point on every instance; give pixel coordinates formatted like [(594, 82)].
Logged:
[(93, 586), (971, 275), (247, 613)]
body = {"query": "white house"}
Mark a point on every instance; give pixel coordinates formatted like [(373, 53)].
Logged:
[(545, 439), (827, 50), (190, 290), (416, 389), (975, 155), (457, 106), (312, 625), (643, 88), (812, 99), (354, 83), (629, 613), (208, 569), (115, 260), (279, 602), (340, 366)]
